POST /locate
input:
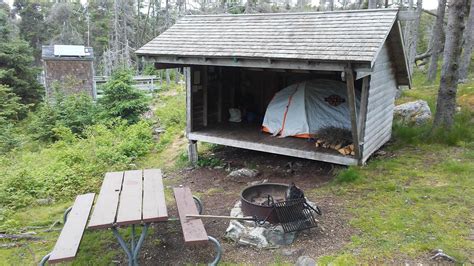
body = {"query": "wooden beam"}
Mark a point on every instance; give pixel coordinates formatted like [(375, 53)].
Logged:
[(260, 63), (219, 94), (204, 95), (364, 98), (166, 66), (189, 105), (349, 73)]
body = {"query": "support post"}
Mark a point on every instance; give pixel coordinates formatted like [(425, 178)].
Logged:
[(219, 95), (349, 73), (364, 98), (192, 152), (189, 104), (204, 95)]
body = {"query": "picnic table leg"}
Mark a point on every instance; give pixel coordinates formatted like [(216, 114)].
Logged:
[(123, 245), (218, 251), (134, 250), (132, 244), (140, 242), (45, 259)]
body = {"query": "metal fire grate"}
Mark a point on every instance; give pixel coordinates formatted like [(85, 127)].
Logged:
[(295, 215)]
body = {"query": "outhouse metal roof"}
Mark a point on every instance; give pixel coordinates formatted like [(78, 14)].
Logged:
[(67, 52), (339, 36)]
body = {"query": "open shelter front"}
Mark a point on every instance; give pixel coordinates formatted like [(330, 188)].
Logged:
[(339, 69)]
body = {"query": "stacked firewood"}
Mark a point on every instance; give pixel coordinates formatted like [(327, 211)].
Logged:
[(340, 147), (338, 139)]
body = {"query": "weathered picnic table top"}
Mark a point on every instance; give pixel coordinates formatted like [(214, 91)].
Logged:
[(130, 197)]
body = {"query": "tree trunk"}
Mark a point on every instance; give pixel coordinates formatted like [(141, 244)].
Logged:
[(467, 46), (413, 37), (167, 73), (372, 4), (446, 103), (176, 75), (436, 40)]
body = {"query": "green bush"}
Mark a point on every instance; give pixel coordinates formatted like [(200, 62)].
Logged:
[(10, 106), (8, 137), (75, 112), (121, 99), (71, 165)]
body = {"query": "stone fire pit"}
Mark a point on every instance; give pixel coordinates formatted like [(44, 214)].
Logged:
[(247, 233)]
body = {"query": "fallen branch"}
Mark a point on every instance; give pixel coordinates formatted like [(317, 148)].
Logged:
[(18, 237), (445, 21), (423, 55), (11, 245)]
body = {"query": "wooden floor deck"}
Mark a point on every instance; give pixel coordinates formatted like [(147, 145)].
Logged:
[(249, 136)]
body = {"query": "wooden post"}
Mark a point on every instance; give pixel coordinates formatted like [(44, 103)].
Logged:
[(192, 146), (189, 105), (352, 109), (219, 95), (204, 95), (364, 97), (192, 152)]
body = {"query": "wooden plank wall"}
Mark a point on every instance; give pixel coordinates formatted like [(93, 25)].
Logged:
[(197, 95), (382, 90)]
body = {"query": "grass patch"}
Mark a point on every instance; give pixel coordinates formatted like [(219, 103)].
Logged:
[(350, 174), (418, 199)]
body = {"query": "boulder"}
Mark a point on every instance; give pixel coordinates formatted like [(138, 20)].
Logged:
[(305, 261), (413, 113)]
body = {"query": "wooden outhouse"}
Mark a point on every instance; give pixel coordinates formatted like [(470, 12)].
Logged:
[(69, 69), (232, 61)]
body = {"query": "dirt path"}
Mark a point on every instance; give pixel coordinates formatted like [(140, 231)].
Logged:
[(219, 193)]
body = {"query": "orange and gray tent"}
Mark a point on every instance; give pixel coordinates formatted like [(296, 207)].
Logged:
[(301, 109)]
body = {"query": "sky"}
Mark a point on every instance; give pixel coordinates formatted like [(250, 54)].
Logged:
[(427, 4)]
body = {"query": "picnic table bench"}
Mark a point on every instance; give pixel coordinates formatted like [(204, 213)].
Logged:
[(130, 198), (75, 219)]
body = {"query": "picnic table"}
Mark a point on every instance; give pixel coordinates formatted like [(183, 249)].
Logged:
[(130, 198)]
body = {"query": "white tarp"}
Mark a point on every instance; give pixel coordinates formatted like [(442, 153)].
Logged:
[(306, 107)]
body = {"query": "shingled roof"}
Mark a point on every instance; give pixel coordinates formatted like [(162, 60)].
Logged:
[(340, 36)]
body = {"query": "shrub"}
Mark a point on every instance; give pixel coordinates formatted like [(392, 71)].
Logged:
[(10, 106), (75, 112), (72, 164), (121, 99)]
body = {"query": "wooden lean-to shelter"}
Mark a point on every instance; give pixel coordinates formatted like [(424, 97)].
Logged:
[(241, 61)]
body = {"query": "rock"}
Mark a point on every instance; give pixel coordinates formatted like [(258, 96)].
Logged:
[(305, 261), (413, 113), (247, 233), (158, 130), (277, 237), (255, 237), (288, 252), (234, 231), (244, 172), (47, 201)]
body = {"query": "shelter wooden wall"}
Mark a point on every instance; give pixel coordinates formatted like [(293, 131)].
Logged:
[(382, 90)]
